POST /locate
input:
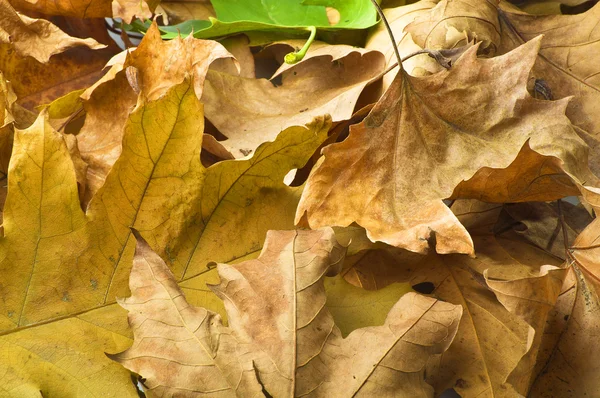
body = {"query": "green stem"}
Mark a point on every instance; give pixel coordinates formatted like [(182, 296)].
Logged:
[(294, 57)]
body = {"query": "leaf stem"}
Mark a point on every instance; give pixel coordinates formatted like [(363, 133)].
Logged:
[(389, 30), (297, 56)]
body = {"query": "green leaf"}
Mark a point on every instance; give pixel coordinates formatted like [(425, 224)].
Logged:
[(287, 17)]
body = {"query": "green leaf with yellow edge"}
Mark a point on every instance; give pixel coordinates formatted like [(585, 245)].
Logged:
[(353, 307)]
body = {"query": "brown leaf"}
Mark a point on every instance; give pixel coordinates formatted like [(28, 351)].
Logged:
[(252, 111), (127, 10), (281, 339), (568, 58), (70, 8), (573, 368), (36, 38), (506, 293), (540, 224), (447, 135)]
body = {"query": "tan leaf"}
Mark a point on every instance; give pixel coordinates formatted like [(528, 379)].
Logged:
[(573, 368), (252, 111), (36, 38), (280, 339), (447, 135), (183, 10), (506, 293), (398, 19), (540, 224), (127, 10), (70, 8), (567, 62)]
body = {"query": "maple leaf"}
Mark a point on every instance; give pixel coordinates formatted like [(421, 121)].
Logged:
[(36, 38), (44, 63), (281, 339), (159, 65), (574, 356), (338, 73), (507, 293), (157, 177), (447, 135), (75, 8), (567, 61)]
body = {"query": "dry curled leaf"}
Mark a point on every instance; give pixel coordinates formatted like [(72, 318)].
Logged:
[(506, 294), (251, 111), (469, 132), (281, 340), (36, 38), (567, 62)]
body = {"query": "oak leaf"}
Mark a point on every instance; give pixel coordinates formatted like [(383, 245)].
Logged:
[(447, 135), (280, 340)]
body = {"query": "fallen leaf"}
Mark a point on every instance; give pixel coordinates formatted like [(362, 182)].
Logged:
[(540, 223), (127, 10), (261, 110), (181, 11), (567, 61), (499, 313), (223, 218), (70, 8), (436, 137), (36, 38), (573, 368), (159, 66), (86, 255), (280, 340)]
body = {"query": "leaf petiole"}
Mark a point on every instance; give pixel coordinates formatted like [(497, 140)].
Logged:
[(297, 56)]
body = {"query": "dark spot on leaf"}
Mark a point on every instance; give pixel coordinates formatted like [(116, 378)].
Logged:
[(94, 284), (566, 318), (424, 287)]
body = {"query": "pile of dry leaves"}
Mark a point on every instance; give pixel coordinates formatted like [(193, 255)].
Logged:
[(195, 217)]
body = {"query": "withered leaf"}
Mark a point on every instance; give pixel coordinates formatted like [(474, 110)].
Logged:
[(506, 293), (281, 339), (567, 61), (447, 135), (251, 111), (36, 38)]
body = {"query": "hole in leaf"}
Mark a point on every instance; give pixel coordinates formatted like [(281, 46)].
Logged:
[(424, 287)]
